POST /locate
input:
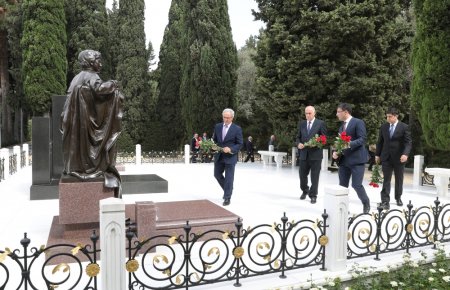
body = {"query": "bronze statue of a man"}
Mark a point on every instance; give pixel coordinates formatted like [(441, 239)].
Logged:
[(91, 124)]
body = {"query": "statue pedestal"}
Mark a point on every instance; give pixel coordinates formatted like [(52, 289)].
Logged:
[(79, 200)]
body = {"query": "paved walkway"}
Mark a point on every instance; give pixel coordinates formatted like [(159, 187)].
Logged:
[(262, 194)]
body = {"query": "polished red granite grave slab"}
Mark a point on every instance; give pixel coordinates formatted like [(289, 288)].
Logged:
[(152, 219)]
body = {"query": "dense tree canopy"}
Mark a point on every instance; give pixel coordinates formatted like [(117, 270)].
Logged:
[(44, 42), (209, 62), (168, 106), (431, 65), (325, 52), (132, 69), (87, 28)]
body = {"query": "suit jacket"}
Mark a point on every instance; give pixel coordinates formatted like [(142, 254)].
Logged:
[(392, 148), (310, 153), (249, 147), (233, 139), (357, 153)]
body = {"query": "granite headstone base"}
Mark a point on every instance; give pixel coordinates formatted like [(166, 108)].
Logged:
[(152, 219), (131, 184)]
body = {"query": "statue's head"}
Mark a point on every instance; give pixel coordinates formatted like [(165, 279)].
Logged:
[(90, 59)]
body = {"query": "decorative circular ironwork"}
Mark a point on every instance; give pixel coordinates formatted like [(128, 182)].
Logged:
[(323, 240), (92, 270), (409, 228), (238, 252), (132, 265)]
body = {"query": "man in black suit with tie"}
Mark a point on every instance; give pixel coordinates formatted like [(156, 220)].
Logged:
[(310, 157), (250, 150), (393, 147), (228, 136), (353, 159)]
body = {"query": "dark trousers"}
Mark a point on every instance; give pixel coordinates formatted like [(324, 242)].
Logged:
[(307, 166), (226, 182), (356, 172), (250, 156), (388, 167)]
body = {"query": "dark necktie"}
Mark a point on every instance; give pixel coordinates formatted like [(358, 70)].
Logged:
[(309, 126), (391, 131)]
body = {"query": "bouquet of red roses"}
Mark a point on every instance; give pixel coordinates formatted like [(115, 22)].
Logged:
[(316, 141), (376, 178), (342, 142)]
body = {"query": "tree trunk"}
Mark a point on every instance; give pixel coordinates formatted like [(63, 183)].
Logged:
[(6, 137)]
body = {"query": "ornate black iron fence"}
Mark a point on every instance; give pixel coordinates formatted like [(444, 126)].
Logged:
[(191, 259), (22, 159), (163, 157), (428, 179), (36, 267), (216, 256), (395, 230), (12, 164)]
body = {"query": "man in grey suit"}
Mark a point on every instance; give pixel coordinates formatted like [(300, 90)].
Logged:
[(228, 136), (310, 157), (353, 159), (393, 147)]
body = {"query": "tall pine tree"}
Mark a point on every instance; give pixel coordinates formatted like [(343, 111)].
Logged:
[(44, 42), (431, 65), (87, 28), (209, 63), (132, 69), (168, 106), (325, 52)]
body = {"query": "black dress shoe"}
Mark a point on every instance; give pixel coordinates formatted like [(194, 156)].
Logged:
[(304, 195), (366, 208), (385, 205), (399, 202), (313, 200), (226, 202)]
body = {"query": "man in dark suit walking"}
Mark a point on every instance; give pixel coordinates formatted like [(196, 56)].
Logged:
[(310, 157), (228, 136), (393, 147), (353, 159), (250, 150)]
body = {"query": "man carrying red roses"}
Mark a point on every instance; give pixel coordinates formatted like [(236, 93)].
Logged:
[(310, 156), (354, 157)]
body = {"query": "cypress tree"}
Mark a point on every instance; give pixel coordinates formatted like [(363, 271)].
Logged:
[(209, 63), (113, 42), (431, 66), (44, 42), (132, 68), (325, 52), (87, 28), (168, 105)]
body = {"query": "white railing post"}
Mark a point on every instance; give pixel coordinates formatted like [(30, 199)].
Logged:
[(271, 148), (336, 206), (294, 156), (418, 167), (112, 243), (138, 154), (325, 160), (4, 155), (187, 153), (26, 149), (16, 151)]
